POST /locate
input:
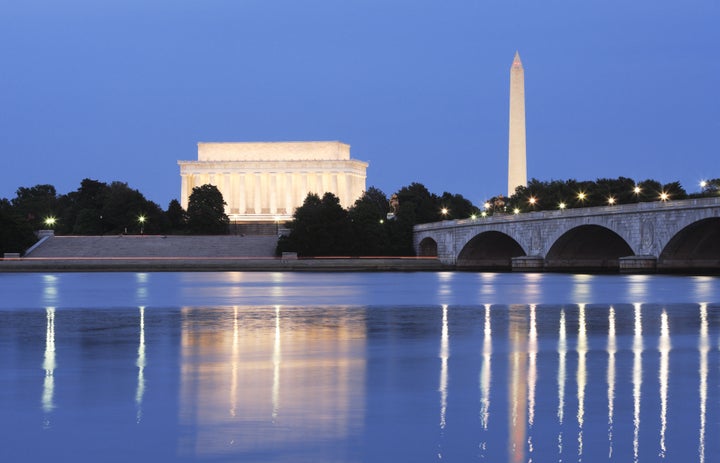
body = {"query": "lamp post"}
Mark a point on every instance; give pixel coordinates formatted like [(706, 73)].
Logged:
[(50, 222), (141, 220)]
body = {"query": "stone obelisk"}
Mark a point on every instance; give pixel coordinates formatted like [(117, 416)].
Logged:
[(517, 167)]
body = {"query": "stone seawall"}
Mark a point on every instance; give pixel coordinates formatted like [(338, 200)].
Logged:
[(202, 264)]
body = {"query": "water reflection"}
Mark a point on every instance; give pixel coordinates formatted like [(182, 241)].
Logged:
[(486, 374), (664, 348), (140, 390), (611, 350), (562, 354), (637, 379), (48, 403), (518, 382), (444, 356), (704, 348), (281, 383), (582, 349), (271, 373)]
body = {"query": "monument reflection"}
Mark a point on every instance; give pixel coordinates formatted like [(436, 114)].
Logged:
[(252, 381)]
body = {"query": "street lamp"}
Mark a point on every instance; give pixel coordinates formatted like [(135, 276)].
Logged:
[(532, 200), (581, 196), (637, 190), (611, 200), (516, 211), (562, 206), (664, 196), (444, 211), (141, 220), (50, 222)]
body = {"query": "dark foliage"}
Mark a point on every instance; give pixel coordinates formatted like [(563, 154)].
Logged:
[(206, 211)]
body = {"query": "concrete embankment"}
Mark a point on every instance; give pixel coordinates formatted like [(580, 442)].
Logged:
[(199, 264), (159, 253)]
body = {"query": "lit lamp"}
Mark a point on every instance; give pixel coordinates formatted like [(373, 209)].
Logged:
[(532, 200), (581, 196), (637, 190), (664, 196), (516, 211), (141, 220), (562, 206), (611, 200), (50, 222), (444, 211)]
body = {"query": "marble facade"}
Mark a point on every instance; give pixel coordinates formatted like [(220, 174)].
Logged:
[(267, 181)]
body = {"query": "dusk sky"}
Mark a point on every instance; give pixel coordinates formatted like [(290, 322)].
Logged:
[(123, 89)]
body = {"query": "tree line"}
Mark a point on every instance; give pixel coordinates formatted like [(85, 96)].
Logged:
[(98, 208), (374, 225)]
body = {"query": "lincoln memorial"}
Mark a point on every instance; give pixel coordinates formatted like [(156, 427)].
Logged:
[(267, 181)]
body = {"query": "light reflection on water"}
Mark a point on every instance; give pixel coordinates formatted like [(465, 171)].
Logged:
[(459, 382)]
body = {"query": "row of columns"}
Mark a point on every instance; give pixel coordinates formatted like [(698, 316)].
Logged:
[(274, 193)]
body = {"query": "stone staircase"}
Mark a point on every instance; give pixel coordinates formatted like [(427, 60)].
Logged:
[(157, 246)]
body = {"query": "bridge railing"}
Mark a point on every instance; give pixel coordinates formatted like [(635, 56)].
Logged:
[(684, 204)]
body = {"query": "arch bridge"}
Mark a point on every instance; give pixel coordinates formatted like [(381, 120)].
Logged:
[(655, 236)]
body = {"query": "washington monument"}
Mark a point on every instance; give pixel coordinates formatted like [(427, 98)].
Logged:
[(517, 168)]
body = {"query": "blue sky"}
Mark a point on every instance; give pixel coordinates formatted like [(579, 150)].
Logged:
[(122, 89)]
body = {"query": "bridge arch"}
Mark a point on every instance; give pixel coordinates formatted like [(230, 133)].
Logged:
[(489, 250), (428, 247), (696, 246), (591, 247)]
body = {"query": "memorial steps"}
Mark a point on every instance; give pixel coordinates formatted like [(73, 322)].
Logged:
[(171, 246)]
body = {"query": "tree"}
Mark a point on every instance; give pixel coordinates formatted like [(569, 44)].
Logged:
[(35, 204), (206, 211), (367, 220), (16, 234), (320, 227), (176, 216)]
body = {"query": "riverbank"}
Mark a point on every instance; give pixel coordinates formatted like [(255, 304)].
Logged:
[(206, 264)]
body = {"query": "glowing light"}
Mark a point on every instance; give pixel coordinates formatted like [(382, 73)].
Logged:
[(637, 378), (532, 200), (562, 206), (444, 211), (140, 390), (611, 350), (142, 219), (382, 221), (611, 200), (664, 196), (562, 355), (581, 196), (48, 403), (637, 190), (485, 371), (483, 213), (444, 356), (703, 184), (581, 376), (487, 205), (50, 221), (704, 347), (532, 365), (473, 216), (516, 211), (664, 348)]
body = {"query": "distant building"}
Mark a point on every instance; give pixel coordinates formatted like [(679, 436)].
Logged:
[(267, 181)]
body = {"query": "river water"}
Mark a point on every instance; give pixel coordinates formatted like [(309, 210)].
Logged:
[(359, 367)]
